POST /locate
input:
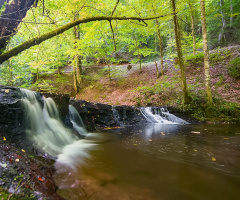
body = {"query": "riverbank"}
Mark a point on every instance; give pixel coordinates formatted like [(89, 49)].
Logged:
[(130, 86), (25, 176)]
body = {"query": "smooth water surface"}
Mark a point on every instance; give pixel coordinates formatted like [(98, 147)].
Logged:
[(154, 162)]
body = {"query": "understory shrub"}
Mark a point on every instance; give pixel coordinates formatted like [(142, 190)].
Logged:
[(234, 67), (195, 59)]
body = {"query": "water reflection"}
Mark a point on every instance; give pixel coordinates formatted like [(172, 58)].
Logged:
[(155, 162)]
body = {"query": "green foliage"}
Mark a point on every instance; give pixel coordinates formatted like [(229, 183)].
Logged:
[(221, 80), (163, 92), (234, 67), (219, 35), (195, 59), (3, 7), (219, 55)]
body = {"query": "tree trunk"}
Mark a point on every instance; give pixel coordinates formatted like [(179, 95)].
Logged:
[(206, 54), (77, 58), (160, 46), (139, 56), (160, 42), (10, 74), (158, 74), (76, 88), (186, 97), (58, 70), (140, 61), (11, 17), (221, 36), (109, 71), (231, 13), (37, 79), (193, 28)]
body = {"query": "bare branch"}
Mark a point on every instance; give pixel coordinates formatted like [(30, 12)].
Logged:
[(114, 9), (37, 40)]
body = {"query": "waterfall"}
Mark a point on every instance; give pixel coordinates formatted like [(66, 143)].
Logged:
[(160, 116), (116, 116), (44, 126), (76, 121)]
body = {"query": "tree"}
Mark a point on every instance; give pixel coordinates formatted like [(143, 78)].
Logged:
[(37, 40), (192, 26), (206, 54), (186, 97), (11, 16), (160, 45), (77, 72)]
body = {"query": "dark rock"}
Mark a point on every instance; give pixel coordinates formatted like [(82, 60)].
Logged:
[(62, 101), (11, 114), (95, 115)]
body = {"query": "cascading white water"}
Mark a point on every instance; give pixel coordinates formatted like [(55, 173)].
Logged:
[(44, 126), (161, 116), (77, 122)]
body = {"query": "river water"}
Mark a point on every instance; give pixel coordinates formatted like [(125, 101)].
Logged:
[(153, 162)]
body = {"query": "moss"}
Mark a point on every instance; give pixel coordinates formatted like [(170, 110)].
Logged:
[(195, 59), (219, 55), (234, 68)]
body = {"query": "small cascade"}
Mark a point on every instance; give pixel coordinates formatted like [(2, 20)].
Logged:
[(76, 121), (44, 127), (160, 116), (116, 116)]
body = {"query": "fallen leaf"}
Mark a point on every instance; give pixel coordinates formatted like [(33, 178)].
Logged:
[(17, 156), (213, 159), (23, 150), (40, 179), (3, 165), (225, 138), (194, 149), (196, 132), (135, 144)]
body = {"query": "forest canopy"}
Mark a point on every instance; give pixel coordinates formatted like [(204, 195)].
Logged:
[(57, 33)]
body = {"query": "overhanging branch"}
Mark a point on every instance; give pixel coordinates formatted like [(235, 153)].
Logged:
[(37, 40)]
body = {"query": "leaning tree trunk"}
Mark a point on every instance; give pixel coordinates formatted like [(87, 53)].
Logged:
[(206, 54), (186, 97), (193, 28), (10, 18), (39, 39)]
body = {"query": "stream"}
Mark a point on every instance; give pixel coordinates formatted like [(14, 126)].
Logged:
[(152, 162), (166, 158)]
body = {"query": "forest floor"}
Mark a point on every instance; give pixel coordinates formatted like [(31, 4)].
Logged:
[(127, 86), (142, 88), (24, 176)]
